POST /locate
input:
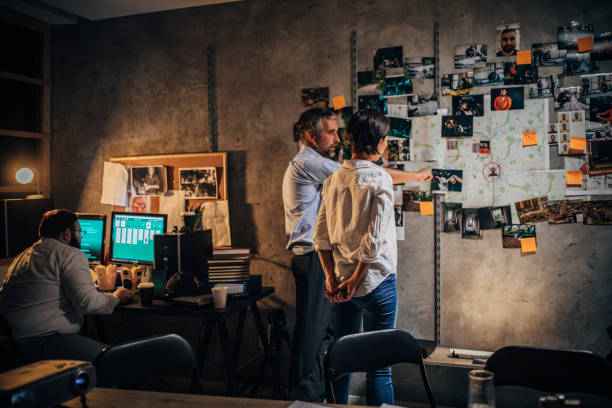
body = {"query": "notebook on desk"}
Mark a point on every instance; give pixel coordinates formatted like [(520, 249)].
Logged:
[(195, 301)]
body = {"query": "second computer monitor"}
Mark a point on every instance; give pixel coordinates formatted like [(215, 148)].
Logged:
[(93, 228), (132, 236)]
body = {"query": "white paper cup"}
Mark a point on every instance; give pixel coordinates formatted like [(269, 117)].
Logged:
[(219, 296)]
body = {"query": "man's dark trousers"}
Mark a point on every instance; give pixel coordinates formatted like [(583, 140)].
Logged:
[(312, 333)]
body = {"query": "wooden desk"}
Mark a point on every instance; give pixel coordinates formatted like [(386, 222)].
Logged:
[(210, 319), (114, 398)]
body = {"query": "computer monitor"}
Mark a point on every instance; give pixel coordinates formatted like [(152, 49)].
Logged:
[(132, 236), (93, 228)]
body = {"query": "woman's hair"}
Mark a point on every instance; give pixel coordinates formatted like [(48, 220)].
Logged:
[(55, 222), (366, 129)]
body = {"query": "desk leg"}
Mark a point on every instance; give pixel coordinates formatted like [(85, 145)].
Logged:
[(230, 366), (239, 334), (208, 329), (264, 342)]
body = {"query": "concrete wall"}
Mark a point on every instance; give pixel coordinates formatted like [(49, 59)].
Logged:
[(137, 85)]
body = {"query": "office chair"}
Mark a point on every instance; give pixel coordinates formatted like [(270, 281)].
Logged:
[(552, 370), (17, 358), (143, 358), (371, 351)]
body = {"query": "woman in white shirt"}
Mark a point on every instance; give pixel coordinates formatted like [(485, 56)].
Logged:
[(355, 238)]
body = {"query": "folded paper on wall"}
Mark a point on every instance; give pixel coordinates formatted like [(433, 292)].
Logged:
[(114, 184), (173, 204), (215, 216)]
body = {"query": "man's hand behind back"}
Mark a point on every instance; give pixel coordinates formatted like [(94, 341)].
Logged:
[(125, 295)]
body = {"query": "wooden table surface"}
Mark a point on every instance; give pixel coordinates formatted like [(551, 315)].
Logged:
[(114, 398)]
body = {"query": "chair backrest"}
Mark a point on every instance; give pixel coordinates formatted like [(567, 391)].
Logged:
[(5, 331), (143, 358), (371, 351), (552, 370)]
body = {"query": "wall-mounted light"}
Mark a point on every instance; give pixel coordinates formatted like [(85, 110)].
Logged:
[(24, 175)]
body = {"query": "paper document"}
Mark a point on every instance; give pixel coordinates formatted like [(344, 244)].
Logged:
[(173, 204), (215, 217), (114, 184)]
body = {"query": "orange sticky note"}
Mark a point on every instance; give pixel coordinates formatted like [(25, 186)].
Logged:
[(523, 57), (585, 44), (338, 102), (530, 138), (577, 144), (426, 207), (528, 244), (573, 178)]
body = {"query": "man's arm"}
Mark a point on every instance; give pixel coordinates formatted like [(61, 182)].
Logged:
[(401, 176)]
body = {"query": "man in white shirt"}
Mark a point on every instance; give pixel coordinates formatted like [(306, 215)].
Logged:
[(48, 290)]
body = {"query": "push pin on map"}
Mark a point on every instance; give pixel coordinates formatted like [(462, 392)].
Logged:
[(491, 169)]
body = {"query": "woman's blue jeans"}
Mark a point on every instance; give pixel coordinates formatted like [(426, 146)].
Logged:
[(378, 310)]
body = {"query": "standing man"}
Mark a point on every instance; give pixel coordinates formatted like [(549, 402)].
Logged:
[(48, 290), (508, 43), (302, 184)]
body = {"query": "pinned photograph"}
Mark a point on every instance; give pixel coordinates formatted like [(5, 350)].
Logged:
[(491, 74), (553, 127), (315, 97), (601, 109), (370, 82), (397, 86), (422, 105), (399, 216), (553, 138), (545, 87), (446, 180), (564, 128), (564, 211), (400, 128), (569, 98), (579, 64), (411, 199), (452, 217), (599, 153), (457, 126), (508, 39), (470, 55), (577, 116), (470, 224), (457, 83), (395, 110), (602, 48), (547, 54), (199, 182), (470, 105), (596, 84), (391, 57), (531, 211), (494, 217), (563, 148), (567, 36), (515, 74), (598, 212), (376, 102), (398, 150), (140, 204), (148, 180), (484, 147), (507, 98), (419, 69), (513, 233)]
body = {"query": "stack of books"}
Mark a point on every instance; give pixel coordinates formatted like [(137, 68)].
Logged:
[(229, 264)]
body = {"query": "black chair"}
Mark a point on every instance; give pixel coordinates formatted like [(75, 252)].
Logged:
[(139, 359), (371, 351), (17, 357), (552, 370)]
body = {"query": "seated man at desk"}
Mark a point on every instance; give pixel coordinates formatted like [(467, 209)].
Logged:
[(48, 290)]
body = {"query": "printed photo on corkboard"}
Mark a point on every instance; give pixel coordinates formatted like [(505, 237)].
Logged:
[(199, 182), (513, 233), (531, 211), (148, 180)]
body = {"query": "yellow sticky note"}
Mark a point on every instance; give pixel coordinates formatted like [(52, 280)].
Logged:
[(530, 138), (577, 144), (338, 102), (426, 207), (573, 178), (528, 244), (523, 57), (586, 44)]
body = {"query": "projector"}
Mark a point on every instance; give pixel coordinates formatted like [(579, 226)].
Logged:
[(46, 383)]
